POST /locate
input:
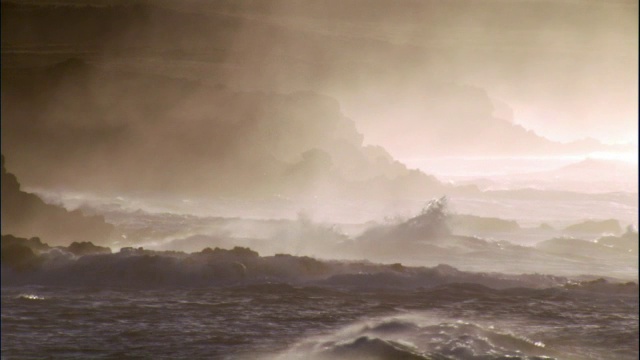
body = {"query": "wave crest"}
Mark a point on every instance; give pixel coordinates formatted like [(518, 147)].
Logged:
[(419, 336)]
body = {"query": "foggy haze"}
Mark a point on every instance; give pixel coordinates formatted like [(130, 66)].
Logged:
[(401, 73), (347, 111), (347, 178)]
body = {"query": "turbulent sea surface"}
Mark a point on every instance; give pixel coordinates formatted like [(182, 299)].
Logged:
[(279, 321)]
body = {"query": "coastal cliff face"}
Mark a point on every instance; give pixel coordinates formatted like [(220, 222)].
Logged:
[(26, 215)]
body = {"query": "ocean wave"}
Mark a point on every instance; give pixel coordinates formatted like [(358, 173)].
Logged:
[(419, 336), (23, 264), (30, 297), (286, 321)]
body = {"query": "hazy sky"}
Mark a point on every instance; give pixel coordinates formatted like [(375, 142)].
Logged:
[(242, 93), (566, 70)]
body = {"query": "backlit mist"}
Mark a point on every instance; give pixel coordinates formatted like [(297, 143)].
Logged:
[(335, 179)]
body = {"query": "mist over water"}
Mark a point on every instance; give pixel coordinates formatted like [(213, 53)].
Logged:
[(319, 180)]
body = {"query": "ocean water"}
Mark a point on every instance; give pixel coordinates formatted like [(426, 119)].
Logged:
[(279, 321)]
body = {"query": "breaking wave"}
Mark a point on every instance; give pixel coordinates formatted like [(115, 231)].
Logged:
[(419, 336), (30, 262)]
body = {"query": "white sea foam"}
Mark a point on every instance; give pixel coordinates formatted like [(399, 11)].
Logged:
[(30, 297)]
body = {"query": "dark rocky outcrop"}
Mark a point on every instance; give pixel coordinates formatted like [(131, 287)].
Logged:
[(19, 257), (610, 226), (87, 248), (26, 215)]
